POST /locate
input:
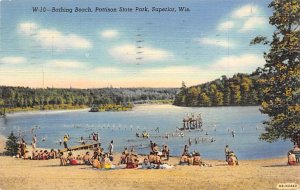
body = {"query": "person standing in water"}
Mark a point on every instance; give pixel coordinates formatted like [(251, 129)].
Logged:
[(111, 147), (227, 151), (34, 139), (233, 133), (66, 141), (185, 150)]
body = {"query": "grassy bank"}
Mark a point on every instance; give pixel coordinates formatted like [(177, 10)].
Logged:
[(111, 107)]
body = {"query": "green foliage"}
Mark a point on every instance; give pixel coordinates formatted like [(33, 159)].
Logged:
[(259, 40), (280, 77), (23, 99), (11, 145), (115, 107), (241, 89)]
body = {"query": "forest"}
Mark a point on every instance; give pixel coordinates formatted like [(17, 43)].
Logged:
[(239, 90), (25, 97)]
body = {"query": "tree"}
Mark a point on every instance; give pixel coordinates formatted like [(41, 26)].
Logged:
[(226, 91), (192, 96), (204, 100), (235, 94), (180, 98), (245, 90), (11, 145), (215, 96), (280, 75)]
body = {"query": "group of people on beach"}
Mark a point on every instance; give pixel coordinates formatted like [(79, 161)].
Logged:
[(101, 159), (44, 154), (193, 158), (152, 161), (129, 159), (23, 151)]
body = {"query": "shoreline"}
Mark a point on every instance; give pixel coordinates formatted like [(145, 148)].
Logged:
[(135, 105), (46, 111), (68, 110), (257, 174)]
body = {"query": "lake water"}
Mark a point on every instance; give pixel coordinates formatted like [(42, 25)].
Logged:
[(122, 127)]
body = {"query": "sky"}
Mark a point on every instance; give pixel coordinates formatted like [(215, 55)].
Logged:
[(129, 49)]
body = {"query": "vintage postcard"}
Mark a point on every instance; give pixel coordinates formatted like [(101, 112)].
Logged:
[(149, 94)]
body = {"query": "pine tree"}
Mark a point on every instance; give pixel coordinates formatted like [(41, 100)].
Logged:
[(280, 76), (11, 145)]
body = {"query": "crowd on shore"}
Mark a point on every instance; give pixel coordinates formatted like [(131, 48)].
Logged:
[(156, 159)]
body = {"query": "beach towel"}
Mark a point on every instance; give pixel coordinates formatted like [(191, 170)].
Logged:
[(73, 162), (165, 166)]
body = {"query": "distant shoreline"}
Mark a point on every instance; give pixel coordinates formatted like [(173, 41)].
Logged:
[(47, 111), (76, 109)]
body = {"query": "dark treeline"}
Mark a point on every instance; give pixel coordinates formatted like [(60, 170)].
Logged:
[(241, 89), (29, 97)]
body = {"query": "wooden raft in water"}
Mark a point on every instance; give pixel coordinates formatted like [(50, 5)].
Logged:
[(80, 147)]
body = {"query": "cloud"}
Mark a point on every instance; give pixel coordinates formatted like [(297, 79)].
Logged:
[(109, 34), (245, 18), (167, 71), (253, 23), (107, 70), (65, 64), (28, 28), (245, 11), (237, 64), (54, 39), (12, 60), (227, 25), (216, 42), (129, 54)]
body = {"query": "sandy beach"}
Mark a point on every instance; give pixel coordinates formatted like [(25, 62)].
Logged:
[(47, 174)]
